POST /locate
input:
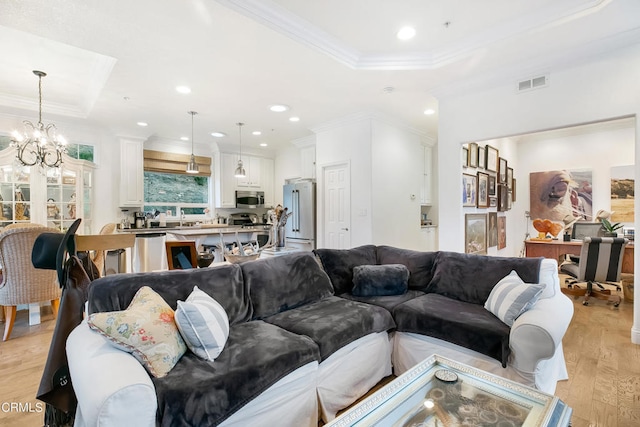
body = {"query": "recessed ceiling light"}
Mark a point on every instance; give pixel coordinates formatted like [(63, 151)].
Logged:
[(183, 89), (143, 124), (406, 33), (429, 111), (294, 119), (184, 138), (218, 134), (263, 144), (256, 132), (278, 108)]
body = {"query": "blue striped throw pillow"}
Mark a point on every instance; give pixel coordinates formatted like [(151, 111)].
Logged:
[(203, 324), (511, 297)]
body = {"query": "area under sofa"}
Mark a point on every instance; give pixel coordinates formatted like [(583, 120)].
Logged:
[(342, 345)]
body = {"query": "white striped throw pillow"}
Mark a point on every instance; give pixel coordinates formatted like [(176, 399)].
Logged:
[(511, 297), (203, 324)]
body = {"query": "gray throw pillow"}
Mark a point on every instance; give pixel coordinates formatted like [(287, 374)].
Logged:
[(380, 280)]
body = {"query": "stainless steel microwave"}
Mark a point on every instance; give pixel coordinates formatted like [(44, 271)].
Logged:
[(250, 199)]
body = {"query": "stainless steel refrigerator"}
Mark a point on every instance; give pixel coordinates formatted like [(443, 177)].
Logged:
[(300, 230)]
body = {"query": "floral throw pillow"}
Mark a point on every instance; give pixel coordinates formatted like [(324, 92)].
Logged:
[(146, 329)]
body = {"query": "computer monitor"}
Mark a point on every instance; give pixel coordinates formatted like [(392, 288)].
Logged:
[(582, 229)]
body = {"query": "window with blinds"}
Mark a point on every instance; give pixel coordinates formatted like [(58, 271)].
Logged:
[(168, 188)]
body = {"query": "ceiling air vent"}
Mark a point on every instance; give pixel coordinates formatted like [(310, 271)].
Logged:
[(533, 83)]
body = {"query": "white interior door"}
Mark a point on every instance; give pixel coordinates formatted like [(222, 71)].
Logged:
[(337, 202)]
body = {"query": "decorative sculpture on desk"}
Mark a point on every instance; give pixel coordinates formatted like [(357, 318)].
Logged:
[(546, 227), (71, 207), (279, 219), (2, 217), (20, 206), (53, 212)]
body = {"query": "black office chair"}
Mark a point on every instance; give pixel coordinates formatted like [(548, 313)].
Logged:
[(600, 264)]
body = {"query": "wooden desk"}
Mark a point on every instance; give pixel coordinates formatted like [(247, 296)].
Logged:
[(556, 248)]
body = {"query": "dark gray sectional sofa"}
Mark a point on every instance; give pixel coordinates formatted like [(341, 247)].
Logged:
[(301, 343)]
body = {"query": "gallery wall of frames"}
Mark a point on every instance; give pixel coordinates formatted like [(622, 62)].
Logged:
[(487, 183)]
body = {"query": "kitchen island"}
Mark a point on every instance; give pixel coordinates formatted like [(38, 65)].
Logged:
[(149, 252)]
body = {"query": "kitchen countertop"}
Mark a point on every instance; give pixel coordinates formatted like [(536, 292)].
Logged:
[(196, 229)]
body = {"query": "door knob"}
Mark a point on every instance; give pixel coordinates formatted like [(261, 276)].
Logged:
[(345, 229)]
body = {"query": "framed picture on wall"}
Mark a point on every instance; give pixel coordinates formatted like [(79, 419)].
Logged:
[(503, 198), (502, 232), (482, 160), (492, 185), (483, 190), (491, 162), (475, 233), (510, 178), (465, 157), (502, 171), (493, 202), (513, 190), (492, 232), (469, 190), (473, 155)]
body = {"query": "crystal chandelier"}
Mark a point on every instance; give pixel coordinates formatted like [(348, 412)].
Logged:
[(192, 166), (39, 144), (240, 172)]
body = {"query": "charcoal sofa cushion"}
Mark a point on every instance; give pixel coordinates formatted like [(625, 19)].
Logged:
[(470, 278), (285, 282), (224, 283), (380, 280), (420, 264), (334, 322), (202, 393), (339, 263), (466, 324), (387, 302)]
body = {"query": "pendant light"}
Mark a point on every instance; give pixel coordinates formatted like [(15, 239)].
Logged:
[(192, 166), (240, 173), (39, 144)]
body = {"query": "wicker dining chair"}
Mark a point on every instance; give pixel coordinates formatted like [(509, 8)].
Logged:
[(98, 257), (21, 282)]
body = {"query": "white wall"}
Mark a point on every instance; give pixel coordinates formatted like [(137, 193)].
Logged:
[(397, 168), (602, 89), (597, 147), (287, 166), (348, 141)]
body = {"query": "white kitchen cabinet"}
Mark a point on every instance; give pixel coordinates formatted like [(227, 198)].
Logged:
[(131, 172), (268, 182), (260, 176), (427, 176), (56, 197), (253, 169), (225, 181), (308, 161), (429, 236)]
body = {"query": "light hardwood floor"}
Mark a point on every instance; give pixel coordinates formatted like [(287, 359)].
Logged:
[(604, 368)]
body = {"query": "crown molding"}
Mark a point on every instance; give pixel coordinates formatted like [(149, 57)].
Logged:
[(297, 28)]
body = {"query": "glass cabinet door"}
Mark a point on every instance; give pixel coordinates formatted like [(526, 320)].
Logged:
[(52, 196), (15, 194), (62, 197)]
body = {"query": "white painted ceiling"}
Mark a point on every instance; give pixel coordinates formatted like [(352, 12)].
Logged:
[(113, 63)]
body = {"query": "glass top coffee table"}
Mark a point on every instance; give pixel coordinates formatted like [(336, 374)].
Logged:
[(439, 392)]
